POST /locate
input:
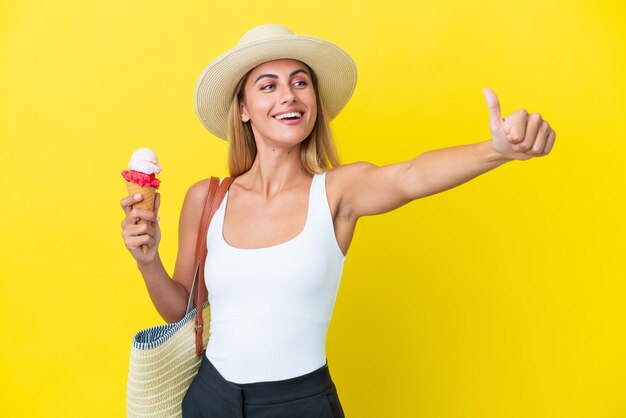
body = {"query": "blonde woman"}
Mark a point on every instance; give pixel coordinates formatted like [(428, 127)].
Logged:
[(277, 244)]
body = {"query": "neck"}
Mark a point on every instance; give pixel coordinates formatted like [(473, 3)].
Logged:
[(274, 169)]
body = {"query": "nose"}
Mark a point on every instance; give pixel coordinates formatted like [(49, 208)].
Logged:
[(287, 95)]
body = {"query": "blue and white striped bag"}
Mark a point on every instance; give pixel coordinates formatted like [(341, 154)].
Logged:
[(163, 362)]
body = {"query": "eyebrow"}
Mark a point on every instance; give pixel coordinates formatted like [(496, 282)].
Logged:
[(300, 70)]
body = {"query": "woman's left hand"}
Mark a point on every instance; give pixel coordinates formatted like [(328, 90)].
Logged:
[(519, 136)]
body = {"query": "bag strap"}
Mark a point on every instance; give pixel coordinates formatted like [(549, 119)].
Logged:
[(213, 201)]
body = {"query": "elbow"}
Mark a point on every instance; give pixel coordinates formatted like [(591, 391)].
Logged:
[(177, 307), (173, 316)]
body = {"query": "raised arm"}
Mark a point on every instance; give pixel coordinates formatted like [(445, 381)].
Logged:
[(370, 190)]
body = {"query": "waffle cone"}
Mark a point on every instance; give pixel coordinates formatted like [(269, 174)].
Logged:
[(147, 203)]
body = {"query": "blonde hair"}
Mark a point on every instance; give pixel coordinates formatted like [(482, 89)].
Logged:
[(318, 152)]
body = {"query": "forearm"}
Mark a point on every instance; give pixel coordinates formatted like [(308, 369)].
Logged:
[(442, 169), (168, 296)]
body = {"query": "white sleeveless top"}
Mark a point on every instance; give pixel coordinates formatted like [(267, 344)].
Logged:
[(271, 306)]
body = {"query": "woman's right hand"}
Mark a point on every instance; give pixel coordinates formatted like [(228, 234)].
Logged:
[(135, 234)]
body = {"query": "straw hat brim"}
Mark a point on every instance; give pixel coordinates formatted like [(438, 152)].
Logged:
[(335, 70)]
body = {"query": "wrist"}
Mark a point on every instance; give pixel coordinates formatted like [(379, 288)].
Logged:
[(493, 155), (144, 266)]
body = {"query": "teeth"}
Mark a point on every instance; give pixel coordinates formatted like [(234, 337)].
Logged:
[(288, 115)]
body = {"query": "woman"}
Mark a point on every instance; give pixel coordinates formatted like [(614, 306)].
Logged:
[(277, 244)]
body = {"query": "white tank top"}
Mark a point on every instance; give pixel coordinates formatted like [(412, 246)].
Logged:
[(271, 306)]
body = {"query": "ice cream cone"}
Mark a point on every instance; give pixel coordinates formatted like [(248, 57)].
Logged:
[(147, 203)]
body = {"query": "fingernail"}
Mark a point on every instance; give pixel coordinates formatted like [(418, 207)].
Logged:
[(137, 196), (157, 218)]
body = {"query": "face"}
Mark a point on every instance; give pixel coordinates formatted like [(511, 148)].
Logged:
[(279, 102)]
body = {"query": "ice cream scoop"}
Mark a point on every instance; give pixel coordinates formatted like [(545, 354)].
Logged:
[(144, 160), (141, 179)]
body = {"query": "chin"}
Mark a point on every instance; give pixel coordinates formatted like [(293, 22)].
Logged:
[(286, 138)]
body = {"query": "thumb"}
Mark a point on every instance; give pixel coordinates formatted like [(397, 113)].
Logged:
[(495, 116)]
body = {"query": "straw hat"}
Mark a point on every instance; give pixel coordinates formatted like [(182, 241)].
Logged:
[(334, 68)]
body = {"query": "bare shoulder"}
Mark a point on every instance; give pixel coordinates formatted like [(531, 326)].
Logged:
[(363, 189), (197, 191), (340, 181), (343, 175), (194, 200)]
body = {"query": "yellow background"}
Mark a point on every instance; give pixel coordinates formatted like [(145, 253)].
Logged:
[(505, 297)]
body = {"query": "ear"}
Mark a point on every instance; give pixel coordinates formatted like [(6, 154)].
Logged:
[(244, 113)]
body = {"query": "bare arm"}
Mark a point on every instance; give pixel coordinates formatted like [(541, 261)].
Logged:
[(169, 295), (369, 190)]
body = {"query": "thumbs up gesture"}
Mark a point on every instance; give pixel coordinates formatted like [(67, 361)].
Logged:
[(519, 136)]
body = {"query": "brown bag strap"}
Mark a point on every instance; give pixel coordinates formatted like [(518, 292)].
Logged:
[(213, 201)]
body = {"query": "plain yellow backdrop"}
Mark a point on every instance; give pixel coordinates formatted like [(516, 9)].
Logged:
[(504, 297)]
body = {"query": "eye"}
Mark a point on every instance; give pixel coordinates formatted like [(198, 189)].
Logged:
[(265, 87), (301, 83)]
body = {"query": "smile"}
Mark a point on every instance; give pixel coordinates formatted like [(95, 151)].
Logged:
[(288, 116)]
